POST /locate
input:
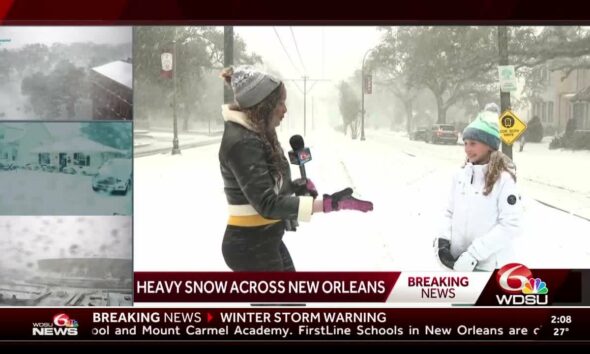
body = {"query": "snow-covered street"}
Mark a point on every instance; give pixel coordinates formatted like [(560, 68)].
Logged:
[(180, 209)]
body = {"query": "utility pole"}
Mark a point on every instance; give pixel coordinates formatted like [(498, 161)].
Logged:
[(363, 94), (305, 92), (228, 59), (312, 115), (305, 105), (175, 145), (504, 96)]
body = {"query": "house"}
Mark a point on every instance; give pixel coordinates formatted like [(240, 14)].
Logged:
[(17, 142), (79, 152), (581, 109), (112, 91), (32, 143), (562, 99)]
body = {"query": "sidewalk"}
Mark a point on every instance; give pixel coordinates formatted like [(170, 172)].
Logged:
[(146, 143)]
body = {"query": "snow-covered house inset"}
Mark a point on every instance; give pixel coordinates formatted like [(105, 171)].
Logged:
[(83, 154), (112, 91)]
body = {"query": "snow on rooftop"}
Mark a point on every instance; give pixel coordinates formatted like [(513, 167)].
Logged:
[(77, 144), (118, 71)]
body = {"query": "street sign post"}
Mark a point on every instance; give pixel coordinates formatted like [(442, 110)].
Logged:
[(368, 84), (507, 78), (511, 127)]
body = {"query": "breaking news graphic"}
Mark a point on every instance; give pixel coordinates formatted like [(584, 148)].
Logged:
[(251, 178)]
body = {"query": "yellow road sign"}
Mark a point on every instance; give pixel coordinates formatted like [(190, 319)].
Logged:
[(511, 127)]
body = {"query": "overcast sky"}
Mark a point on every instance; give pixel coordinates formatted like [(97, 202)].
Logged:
[(16, 37), (326, 52)]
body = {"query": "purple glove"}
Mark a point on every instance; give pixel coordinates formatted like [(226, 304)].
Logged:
[(344, 200), (305, 187)]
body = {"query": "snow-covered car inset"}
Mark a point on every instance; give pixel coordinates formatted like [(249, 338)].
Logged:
[(114, 176)]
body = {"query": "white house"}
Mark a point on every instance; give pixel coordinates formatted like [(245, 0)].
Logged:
[(78, 152), (562, 99), (17, 142)]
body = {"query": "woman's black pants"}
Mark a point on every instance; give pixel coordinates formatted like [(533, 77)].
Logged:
[(257, 249)]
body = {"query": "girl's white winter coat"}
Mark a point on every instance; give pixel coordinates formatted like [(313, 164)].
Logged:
[(485, 226)]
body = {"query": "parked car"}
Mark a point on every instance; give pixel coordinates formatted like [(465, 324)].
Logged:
[(32, 167), (114, 176), (49, 168), (88, 170), (69, 170), (419, 134), (7, 166), (442, 133)]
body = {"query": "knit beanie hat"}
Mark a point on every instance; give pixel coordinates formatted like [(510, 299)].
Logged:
[(484, 129), (492, 107), (251, 86)]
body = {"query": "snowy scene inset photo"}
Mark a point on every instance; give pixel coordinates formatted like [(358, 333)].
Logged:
[(66, 73), (66, 168), (361, 148), (65, 261)]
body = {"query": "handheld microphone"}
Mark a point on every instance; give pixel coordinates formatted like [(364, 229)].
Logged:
[(300, 155)]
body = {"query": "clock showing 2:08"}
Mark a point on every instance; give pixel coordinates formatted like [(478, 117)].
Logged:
[(561, 319)]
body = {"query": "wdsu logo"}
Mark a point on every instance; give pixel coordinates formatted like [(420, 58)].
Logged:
[(62, 325), (520, 286)]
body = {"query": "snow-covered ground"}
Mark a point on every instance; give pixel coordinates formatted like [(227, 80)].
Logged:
[(147, 142), (180, 210), (556, 177), (27, 192)]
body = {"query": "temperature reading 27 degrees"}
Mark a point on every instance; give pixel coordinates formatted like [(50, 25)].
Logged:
[(560, 331)]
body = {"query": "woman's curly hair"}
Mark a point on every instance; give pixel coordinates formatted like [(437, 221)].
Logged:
[(260, 116)]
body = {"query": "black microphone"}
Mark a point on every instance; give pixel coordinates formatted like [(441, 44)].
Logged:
[(300, 155)]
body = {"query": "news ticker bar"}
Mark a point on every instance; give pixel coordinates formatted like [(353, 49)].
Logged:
[(513, 284), (418, 324)]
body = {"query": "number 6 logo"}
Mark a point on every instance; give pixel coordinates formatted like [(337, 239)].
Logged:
[(513, 277), (61, 320)]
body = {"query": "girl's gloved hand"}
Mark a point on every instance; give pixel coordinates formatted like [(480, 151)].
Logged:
[(442, 248)]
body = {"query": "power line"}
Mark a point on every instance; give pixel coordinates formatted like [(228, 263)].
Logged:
[(323, 51), (288, 56), (297, 49), (294, 83), (305, 93), (311, 87)]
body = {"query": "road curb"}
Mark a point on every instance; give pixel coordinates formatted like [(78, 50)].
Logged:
[(169, 149)]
